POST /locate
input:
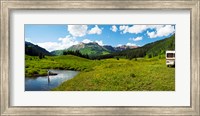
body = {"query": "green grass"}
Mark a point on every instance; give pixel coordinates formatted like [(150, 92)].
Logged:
[(35, 66), (124, 75), (141, 74)]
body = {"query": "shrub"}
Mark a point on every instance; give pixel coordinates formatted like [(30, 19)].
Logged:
[(27, 66), (149, 56), (132, 75), (117, 58)]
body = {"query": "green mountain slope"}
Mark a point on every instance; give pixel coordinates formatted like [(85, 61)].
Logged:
[(35, 50), (58, 52), (159, 47), (92, 49), (97, 51), (150, 50), (110, 48)]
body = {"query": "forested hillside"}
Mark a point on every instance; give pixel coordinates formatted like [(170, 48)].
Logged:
[(149, 50), (35, 50)]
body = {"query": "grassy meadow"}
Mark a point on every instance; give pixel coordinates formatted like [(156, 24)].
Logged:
[(141, 74)]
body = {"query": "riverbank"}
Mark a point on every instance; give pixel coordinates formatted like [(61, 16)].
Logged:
[(41, 83), (38, 73), (38, 67), (141, 74)]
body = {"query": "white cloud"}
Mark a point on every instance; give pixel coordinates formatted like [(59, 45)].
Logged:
[(155, 26), (86, 41), (131, 44), (151, 34), (82, 30), (119, 45), (133, 29), (161, 31), (50, 46), (68, 40), (95, 30), (137, 29), (114, 28), (123, 28), (77, 30), (63, 43), (29, 40), (100, 42), (136, 39)]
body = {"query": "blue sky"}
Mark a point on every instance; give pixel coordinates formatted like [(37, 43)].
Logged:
[(55, 37)]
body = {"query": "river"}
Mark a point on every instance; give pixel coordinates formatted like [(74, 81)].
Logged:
[(45, 84)]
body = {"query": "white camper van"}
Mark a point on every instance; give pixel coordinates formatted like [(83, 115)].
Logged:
[(170, 58)]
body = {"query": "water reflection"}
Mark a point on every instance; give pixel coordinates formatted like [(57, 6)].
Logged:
[(46, 83), (49, 80)]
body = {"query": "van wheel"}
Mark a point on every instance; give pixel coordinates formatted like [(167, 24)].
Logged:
[(167, 65)]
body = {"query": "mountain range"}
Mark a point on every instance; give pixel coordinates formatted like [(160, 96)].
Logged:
[(35, 50), (93, 49), (150, 50)]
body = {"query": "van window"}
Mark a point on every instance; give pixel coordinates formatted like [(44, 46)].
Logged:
[(170, 55)]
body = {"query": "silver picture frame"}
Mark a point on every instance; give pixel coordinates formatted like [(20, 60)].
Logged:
[(8, 5)]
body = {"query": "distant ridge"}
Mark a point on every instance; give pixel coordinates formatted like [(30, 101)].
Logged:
[(150, 50), (35, 50), (93, 49)]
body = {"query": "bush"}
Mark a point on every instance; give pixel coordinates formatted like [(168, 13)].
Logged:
[(132, 75), (33, 71), (117, 58), (149, 56), (26, 66)]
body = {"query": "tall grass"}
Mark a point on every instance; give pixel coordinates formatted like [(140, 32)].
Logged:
[(124, 75), (35, 66), (141, 74)]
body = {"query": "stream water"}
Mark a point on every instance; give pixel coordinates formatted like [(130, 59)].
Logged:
[(45, 83)]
